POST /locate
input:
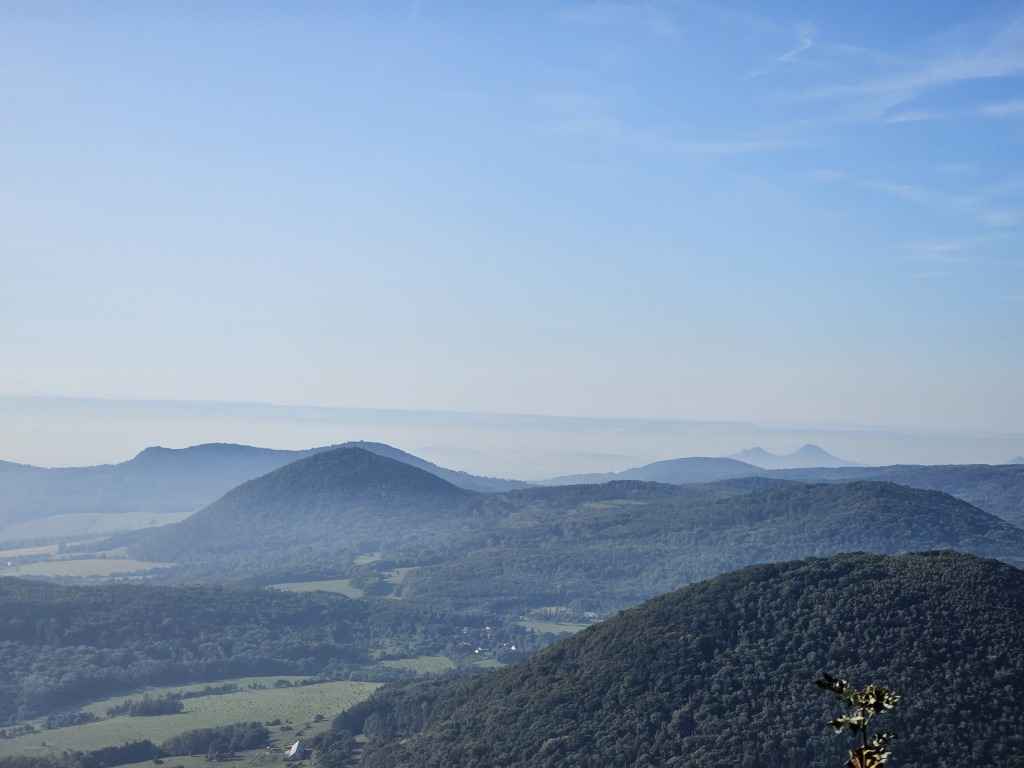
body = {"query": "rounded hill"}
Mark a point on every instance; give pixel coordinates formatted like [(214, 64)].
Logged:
[(343, 500)]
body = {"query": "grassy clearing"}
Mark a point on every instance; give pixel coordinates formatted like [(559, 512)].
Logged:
[(424, 665), (397, 576), (487, 663), (554, 627), (254, 759), (297, 705), (343, 586), (93, 567), (339, 586)]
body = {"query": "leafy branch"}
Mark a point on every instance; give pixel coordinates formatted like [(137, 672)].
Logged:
[(864, 705)]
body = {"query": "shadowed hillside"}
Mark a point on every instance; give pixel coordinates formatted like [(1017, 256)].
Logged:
[(720, 674)]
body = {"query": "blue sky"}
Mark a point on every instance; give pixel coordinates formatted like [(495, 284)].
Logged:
[(788, 212)]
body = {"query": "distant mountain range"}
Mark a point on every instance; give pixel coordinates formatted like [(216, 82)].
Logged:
[(807, 456), (721, 674), (175, 482)]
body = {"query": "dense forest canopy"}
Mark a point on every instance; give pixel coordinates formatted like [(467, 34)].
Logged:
[(721, 673)]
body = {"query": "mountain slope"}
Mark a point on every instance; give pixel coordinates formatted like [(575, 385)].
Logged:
[(720, 674)]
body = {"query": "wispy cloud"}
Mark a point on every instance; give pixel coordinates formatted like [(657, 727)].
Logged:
[(804, 33), (914, 116), (740, 146), (951, 251), (1004, 108), (1002, 55), (607, 14), (980, 205)]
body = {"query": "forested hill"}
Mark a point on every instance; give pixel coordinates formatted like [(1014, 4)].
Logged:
[(721, 673), (607, 547), (340, 502)]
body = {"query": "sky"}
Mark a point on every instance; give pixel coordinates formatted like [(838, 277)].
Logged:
[(790, 213)]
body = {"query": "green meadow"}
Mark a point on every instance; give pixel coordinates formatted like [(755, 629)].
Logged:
[(553, 627), (297, 705)]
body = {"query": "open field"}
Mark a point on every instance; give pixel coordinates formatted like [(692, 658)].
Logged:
[(295, 704), (339, 586)]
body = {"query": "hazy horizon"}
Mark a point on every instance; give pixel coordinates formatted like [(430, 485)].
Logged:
[(660, 213), (88, 432)]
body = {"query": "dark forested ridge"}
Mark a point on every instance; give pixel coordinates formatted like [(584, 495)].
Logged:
[(603, 548), (721, 673)]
